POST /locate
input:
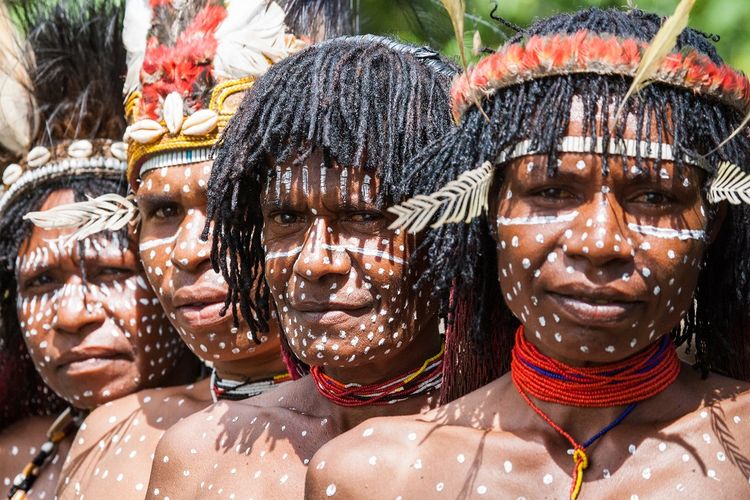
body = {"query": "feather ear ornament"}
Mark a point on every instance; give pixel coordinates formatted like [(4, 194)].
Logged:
[(462, 199), (731, 184), (109, 212), (659, 48)]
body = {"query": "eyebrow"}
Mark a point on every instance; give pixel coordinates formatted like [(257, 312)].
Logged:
[(157, 199)]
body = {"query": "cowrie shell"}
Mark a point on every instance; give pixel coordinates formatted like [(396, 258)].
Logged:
[(172, 112), (119, 150), (12, 173), (38, 156), (146, 131), (80, 149), (201, 122)]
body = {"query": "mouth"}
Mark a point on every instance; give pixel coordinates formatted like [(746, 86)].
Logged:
[(200, 307), (82, 363), (593, 310), (329, 313)]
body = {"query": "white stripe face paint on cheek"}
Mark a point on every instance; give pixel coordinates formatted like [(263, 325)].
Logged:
[(669, 233), (159, 242), (537, 219), (282, 255)]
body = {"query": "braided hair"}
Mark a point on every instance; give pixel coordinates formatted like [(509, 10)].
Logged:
[(363, 101), (481, 330)]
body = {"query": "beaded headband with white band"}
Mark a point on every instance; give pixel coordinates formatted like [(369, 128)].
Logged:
[(96, 158)]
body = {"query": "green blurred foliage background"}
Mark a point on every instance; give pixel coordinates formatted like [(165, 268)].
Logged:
[(425, 21)]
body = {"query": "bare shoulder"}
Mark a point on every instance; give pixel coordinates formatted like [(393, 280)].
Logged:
[(19, 442), (116, 443), (354, 464)]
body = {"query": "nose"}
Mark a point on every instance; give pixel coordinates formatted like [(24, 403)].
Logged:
[(77, 307), (190, 253), (597, 234), (321, 255)]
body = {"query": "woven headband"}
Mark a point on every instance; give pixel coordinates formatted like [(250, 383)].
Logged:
[(585, 52)]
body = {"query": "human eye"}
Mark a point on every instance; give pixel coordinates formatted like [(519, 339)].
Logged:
[(554, 193), (655, 198), (286, 218), (37, 281), (365, 217)]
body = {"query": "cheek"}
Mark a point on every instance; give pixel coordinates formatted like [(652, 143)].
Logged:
[(156, 257)]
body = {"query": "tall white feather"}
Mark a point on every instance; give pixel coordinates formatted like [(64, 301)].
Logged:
[(461, 200), (249, 39), (17, 109), (731, 184), (109, 212), (134, 35)]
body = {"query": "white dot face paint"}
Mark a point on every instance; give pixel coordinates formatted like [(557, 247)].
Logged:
[(599, 253), (94, 340), (178, 266), (340, 277)]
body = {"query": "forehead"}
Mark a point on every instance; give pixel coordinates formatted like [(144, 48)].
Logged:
[(176, 177), (314, 182)]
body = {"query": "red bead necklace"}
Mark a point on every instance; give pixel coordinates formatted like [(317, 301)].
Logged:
[(421, 381), (624, 383)]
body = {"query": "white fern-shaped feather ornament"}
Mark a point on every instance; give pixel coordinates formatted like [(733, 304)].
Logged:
[(109, 212), (461, 199), (731, 184)]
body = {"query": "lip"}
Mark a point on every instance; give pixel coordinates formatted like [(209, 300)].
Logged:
[(200, 305), (330, 313), (89, 359), (595, 305)]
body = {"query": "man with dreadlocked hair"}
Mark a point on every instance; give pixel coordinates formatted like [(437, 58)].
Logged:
[(297, 196), (597, 238), (82, 312)]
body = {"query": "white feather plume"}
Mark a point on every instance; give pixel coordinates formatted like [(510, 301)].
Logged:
[(461, 200), (17, 108), (109, 212), (731, 184), (249, 39), (134, 35)]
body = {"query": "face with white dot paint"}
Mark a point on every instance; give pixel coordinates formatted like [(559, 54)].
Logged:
[(173, 214), (340, 278), (598, 267), (97, 336)]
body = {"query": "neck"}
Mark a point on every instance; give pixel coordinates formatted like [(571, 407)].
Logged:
[(255, 367), (582, 401), (349, 418), (186, 372)]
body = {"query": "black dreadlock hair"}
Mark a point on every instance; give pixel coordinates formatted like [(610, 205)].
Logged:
[(462, 256), (319, 19), (76, 79), (364, 101)]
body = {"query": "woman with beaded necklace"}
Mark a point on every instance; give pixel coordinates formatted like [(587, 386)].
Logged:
[(597, 233), (82, 312)]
